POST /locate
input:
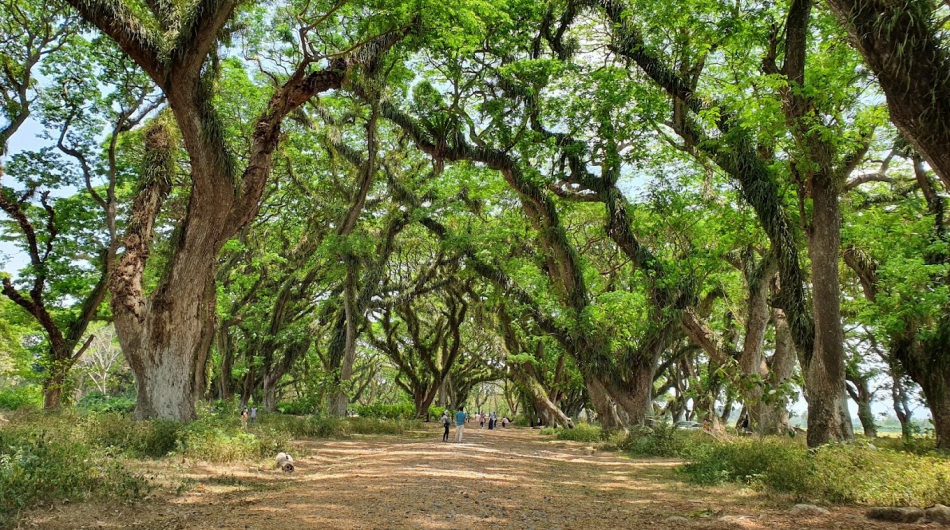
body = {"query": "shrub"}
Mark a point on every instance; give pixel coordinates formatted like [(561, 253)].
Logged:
[(522, 421), (661, 440), (308, 426), (833, 473), (19, 397), (399, 411), (117, 432), (216, 441), (330, 427), (300, 406), (376, 426), (780, 464), (849, 473), (40, 465), (580, 433), (99, 402)]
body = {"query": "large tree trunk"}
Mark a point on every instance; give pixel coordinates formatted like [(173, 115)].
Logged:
[(53, 389), (902, 407), (164, 351), (424, 400), (339, 400), (923, 368), (815, 164), (824, 370), (225, 384), (550, 413), (167, 334), (603, 406), (634, 394), (751, 363)]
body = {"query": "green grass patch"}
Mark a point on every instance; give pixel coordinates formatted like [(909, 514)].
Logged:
[(582, 432), (834, 473), (330, 427), (21, 397), (48, 461)]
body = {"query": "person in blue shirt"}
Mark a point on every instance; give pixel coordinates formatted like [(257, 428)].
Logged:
[(459, 423)]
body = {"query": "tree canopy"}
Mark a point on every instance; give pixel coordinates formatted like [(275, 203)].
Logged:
[(637, 209)]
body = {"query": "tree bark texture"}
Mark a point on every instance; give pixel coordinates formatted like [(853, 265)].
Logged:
[(774, 418), (824, 371), (922, 364), (603, 406), (753, 367)]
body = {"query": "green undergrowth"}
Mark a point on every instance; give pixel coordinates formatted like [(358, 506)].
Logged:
[(840, 473), (330, 427), (881, 472), (582, 432), (50, 460), (886, 472), (80, 453)]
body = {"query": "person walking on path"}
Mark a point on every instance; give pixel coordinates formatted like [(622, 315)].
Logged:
[(445, 423), (492, 420), (459, 424), (244, 419), (254, 415)]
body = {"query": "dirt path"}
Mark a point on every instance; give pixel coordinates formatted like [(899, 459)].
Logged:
[(505, 479)]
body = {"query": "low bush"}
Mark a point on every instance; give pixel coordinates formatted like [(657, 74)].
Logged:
[(377, 426), (777, 463), (661, 440), (300, 406), (208, 439), (118, 433), (307, 426), (330, 427), (38, 464), (399, 411), (835, 473), (20, 397), (99, 402), (580, 433)]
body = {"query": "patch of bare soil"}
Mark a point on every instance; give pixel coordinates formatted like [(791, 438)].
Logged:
[(505, 479)]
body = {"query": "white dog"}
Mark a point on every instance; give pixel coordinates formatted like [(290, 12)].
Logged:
[(285, 462)]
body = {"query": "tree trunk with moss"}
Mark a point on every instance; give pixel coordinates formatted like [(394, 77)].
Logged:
[(167, 333)]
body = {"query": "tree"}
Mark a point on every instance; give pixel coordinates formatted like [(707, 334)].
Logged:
[(166, 333)]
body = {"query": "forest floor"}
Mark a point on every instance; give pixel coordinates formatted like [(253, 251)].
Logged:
[(501, 479)]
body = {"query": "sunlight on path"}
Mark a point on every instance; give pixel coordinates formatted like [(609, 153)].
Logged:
[(510, 478)]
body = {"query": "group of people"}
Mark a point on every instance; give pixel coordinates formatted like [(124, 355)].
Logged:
[(461, 417), (248, 414), (492, 419)]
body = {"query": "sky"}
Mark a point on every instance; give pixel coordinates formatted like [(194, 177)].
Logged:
[(28, 137)]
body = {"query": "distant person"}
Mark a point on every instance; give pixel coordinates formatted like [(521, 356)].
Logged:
[(254, 415), (445, 421), (504, 422), (460, 417), (244, 415), (492, 420), (481, 420)]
